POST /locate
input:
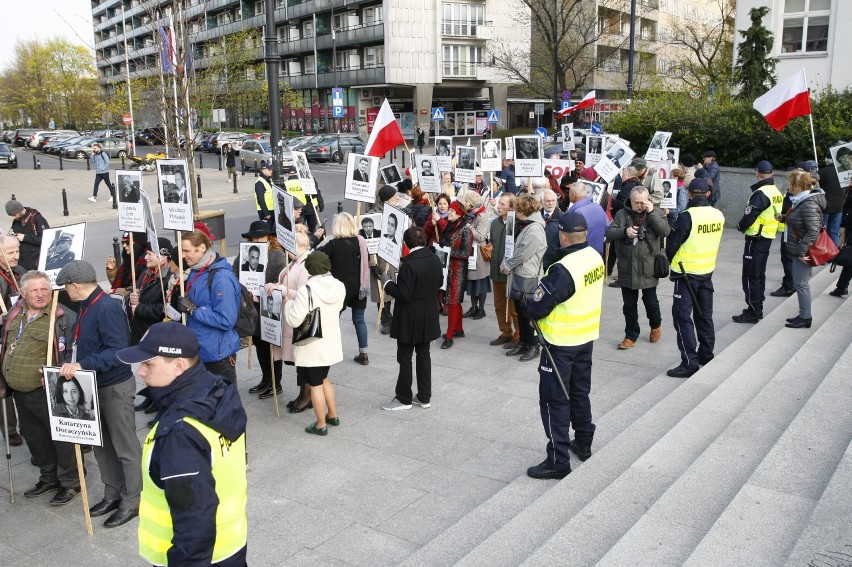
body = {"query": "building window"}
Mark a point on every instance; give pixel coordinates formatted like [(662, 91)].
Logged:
[(462, 60), (310, 66), (374, 57), (461, 19), (805, 27)]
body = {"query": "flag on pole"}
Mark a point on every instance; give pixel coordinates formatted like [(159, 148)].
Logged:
[(167, 50), (386, 134), (587, 101), (789, 99)]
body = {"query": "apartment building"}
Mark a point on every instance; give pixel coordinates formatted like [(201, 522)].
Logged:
[(419, 54)]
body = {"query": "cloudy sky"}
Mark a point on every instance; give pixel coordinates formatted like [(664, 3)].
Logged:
[(43, 19)]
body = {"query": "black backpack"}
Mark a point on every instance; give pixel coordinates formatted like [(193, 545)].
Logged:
[(248, 319)]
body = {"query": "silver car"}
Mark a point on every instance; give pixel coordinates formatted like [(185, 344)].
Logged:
[(113, 147), (254, 152)]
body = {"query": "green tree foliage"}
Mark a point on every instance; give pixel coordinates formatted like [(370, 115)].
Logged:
[(755, 70), (738, 134), (48, 80)]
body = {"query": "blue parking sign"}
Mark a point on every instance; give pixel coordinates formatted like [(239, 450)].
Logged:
[(337, 112)]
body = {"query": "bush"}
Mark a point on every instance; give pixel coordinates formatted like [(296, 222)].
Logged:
[(738, 134)]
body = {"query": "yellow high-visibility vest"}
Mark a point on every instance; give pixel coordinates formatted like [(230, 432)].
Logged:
[(267, 196), (577, 321), (294, 188), (698, 252), (229, 472), (767, 219)]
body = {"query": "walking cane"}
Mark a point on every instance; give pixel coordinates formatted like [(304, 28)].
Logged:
[(8, 452), (546, 348), (691, 291)]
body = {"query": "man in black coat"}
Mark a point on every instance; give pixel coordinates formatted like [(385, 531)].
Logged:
[(27, 226), (415, 319)]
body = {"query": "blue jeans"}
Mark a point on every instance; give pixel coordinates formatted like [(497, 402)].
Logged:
[(832, 225), (360, 328)]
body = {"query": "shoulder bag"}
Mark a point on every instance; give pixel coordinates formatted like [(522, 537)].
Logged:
[(823, 250), (485, 250), (661, 262), (311, 328)]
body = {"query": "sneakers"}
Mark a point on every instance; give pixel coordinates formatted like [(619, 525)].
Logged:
[(543, 470), (783, 292), (839, 292), (362, 359), (41, 488), (501, 340), (395, 405), (582, 450), (93, 199), (655, 334), (424, 405), (63, 496), (626, 344), (681, 372)]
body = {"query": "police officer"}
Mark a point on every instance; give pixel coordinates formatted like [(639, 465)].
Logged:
[(692, 248), (567, 306), (760, 226), (263, 195), (311, 203), (193, 508)]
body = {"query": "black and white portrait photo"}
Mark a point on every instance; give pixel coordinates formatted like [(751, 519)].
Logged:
[(428, 176), (567, 137), (174, 194), (370, 230), (131, 213), (510, 147), (656, 149), (618, 157), (841, 155), (426, 169), (672, 155), (284, 220), (669, 200), (444, 152), (73, 406), (361, 173), (129, 183), (390, 174), (490, 151), (466, 164), (270, 317), (443, 254), (148, 215), (528, 156), (394, 223), (59, 246), (594, 149), (252, 263)]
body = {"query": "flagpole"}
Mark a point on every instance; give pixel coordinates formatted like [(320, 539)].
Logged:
[(161, 33), (173, 61), (129, 93), (811, 119)]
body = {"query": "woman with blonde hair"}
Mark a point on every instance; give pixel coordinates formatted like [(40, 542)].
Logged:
[(478, 282), (347, 251), (804, 221), (315, 356)]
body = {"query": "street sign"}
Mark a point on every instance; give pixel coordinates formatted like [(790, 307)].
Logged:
[(438, 113), (566, 104), (338, 112), (493, 116), (219, 115), (539, 108), (532, 114), (337, 96), (597, 128), (126, 119), (52, 125), (566, 95), (695, 93), (541, 132)]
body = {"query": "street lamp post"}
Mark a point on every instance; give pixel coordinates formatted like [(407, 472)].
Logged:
[(555, 60), (632, 53), (271, 58)]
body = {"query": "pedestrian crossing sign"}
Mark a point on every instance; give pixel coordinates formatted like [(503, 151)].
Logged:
[(438, 113), (493, 116)]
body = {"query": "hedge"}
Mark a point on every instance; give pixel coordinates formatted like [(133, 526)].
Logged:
[(733, 129)]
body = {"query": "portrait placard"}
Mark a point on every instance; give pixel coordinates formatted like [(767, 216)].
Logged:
[(148, 215), (58, 247), (567, 137), (173, 182), (370, 231), (510, 147), (490, 151), (672, 155), (361, 172), (390, 174), (284, 221), (412, 169), (466, 164), (427, 172), (131, 216), (841, 155), (658, 143), (394, 223), (73, 407), (619, 156), (443, 254), (270, 316), (471, 260), (510, 234), (669, 200), (594, 149), (443, 150), (528, 156), (303, 172), (594, 191), (252, 262)]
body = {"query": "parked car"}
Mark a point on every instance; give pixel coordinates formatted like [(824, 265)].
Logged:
[(54, 138), (256, 151), (55, 147), (334, 148), (22, 135), (37, 137), (8, 159), (113, 147), (233, 138)]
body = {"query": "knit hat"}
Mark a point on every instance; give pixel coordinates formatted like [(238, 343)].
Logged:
[(688, 160), (581, 156), (13, 207), (386, 193), (164, 246), (78, 272), (317, 263), (404, 186), (458, 207), (701, 173), (699, 185), (202, 227), (589, 174), (639, 163)]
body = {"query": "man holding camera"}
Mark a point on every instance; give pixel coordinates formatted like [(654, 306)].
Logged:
[(637, 232)]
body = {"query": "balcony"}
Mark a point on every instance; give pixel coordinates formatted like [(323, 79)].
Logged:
[(354, 77), (457, 70), (467, 29), (363, 33)]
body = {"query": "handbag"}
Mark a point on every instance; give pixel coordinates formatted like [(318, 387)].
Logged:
[(661, 263), (485, 250), (522, 287), (311, 328), (823, 250)]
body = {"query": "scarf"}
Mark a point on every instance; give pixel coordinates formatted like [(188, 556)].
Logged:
[(364, 284), (796, 199), (206, 259)]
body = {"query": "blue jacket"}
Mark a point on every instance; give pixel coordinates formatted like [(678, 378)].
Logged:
[(181, 456), (101, 161), (102, 330), (551, 229), (214, 319), (596, 219), (508, 177)]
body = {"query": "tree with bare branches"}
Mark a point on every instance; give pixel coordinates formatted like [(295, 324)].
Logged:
[(707, 47)]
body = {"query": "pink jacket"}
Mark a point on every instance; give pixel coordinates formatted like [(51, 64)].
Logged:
[(293, 277)]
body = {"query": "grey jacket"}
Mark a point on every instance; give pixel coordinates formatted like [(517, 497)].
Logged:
[(804, 222), (636, 261), (480, 233), (498, 241), (530, 246)]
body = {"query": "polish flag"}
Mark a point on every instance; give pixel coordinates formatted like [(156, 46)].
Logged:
[(788, 99), (587, 101), (386, 134)]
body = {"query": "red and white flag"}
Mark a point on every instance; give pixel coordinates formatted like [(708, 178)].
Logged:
[(587, 101), (788, 99), (386, 134)]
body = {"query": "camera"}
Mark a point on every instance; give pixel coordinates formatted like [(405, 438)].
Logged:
[(640, 231)]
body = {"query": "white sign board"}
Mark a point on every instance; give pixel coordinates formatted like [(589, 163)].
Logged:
[(173, 181), (252, 262), (466, 164), (284, 221), (658, 144), (370, 230), (270, 317), (60, 246), (361, 173), (618, 157), (131, 214), (528, 156), (394, 223), (490, 151)]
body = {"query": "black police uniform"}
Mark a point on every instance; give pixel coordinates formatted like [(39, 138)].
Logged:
[(755, 251)]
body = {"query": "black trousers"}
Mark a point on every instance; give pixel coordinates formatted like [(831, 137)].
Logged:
[(755, 255), (226, 368), (404, 351), (787, 265), (264, 349), (846, 272), (558, 415), (630, 297), (56, 460), (525, 328), (694, 340), (387, 312)]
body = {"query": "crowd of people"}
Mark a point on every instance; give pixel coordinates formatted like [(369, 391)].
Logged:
[(543, 249)]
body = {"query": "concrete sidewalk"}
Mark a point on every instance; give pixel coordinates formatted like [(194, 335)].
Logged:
[(382, 484)]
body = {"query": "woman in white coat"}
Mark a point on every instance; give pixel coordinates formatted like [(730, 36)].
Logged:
[(314, 357)]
